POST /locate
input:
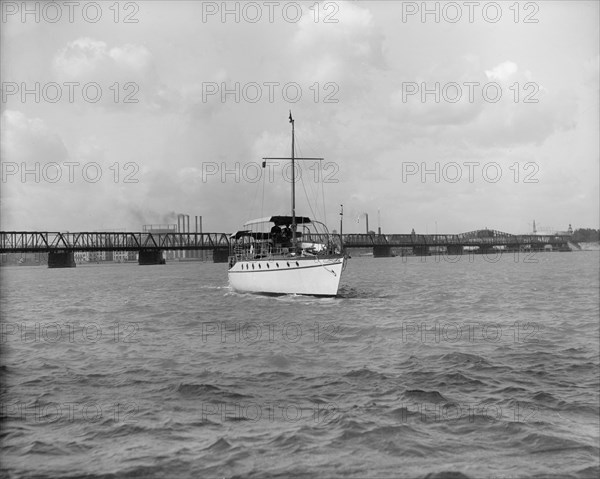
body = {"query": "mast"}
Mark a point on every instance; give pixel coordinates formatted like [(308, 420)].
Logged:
[(294, 159), (341, 228), (293, 187)]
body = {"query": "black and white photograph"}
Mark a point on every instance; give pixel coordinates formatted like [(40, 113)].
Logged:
[(300, 239)]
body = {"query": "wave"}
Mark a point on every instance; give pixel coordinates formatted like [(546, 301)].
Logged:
[(433, 397), (208, 391), (365, 373)]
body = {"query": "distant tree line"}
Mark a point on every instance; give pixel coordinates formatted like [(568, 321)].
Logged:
[(585, 235)]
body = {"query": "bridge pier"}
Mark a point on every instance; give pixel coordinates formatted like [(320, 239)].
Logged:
[(150, 256), (220, 255), (382, 251), (61, 259)]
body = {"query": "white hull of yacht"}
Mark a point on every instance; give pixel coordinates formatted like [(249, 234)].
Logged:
[(309, 276)]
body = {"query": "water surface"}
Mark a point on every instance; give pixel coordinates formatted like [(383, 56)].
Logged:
[(488, 368)]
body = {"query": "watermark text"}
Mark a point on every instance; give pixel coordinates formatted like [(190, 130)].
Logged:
[(453, 92), (55, 12), (469, 332), (255, 332), (53, 92), (253, 172), (254, 12), (469, 12), (254, 92), (453, 172), (53, 412), (68, 171), (80, 333)]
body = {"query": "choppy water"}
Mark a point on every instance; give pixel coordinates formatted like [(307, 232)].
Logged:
[(420, 368)]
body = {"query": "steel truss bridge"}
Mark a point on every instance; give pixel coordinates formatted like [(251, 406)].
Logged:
[(53, 242), (28, 241), (483, 239)]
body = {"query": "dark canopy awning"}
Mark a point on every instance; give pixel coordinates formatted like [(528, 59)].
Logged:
[(287, 220), (279, 220), (251, 234)]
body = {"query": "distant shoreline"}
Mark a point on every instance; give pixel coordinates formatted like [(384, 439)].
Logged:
[(590, 246)]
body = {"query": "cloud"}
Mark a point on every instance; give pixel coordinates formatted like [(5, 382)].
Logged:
[(86, 58), (29, 140), (502, 71), (27, 146), (126, 75), (369, 132), (507, 109), (591, 70), (131, 57), (528, 111), (341, 51)]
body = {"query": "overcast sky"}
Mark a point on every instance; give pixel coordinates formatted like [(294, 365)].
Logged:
[(192, 99)]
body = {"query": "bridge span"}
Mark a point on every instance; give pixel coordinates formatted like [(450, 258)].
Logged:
[(151, 245)]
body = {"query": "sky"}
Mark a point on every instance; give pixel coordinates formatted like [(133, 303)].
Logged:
[(442, 117)]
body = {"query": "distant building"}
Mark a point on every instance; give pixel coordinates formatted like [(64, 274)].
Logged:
[(166, 228), (24, 259), (569, 232), (125, 256), (183, 227), (82, 256)]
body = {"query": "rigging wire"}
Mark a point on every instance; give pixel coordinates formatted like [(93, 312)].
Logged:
[(312, 196), (253, 203), (262, 203), (322, 180), (304, 186), (315, 192)]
